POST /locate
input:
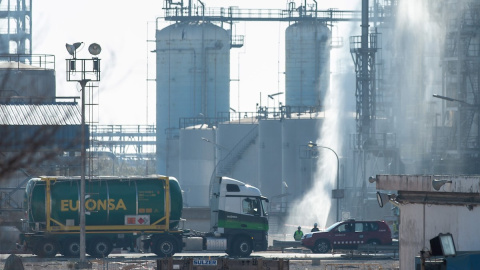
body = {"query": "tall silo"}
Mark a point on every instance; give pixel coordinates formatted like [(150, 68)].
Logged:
[(197, 152), (192, 76), (296, 167), (269, 159), (307, 64)]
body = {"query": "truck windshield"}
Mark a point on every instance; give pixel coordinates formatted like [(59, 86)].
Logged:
[(253, 206), (264, 207)]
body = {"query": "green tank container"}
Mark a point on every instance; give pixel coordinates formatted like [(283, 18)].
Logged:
[(108, 200)]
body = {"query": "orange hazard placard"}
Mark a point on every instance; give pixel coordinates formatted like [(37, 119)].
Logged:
[(137, 220), (131, 220)]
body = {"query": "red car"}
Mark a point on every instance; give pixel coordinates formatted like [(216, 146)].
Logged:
[(348, 235)]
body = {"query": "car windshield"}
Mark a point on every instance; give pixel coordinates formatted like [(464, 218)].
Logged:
[(332, 226)]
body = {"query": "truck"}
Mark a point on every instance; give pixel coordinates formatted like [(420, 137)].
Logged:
[(118, 210)]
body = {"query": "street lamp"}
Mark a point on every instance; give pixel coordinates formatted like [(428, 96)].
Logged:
[(272, 97), (89, 70), (336, 193), (451, 99), (276, 94)]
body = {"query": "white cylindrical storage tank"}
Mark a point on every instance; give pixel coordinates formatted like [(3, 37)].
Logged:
[(192, 76), (236, 151), (307, 64), (196, 165), (24, 80), (269, 160), (296, 169)]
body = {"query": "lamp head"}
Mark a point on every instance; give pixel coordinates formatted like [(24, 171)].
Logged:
[(72, 48), (383, 198), (94, 49), (311, 144), (437, 184), (443, 245)]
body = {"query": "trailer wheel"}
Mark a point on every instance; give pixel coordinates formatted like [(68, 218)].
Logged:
[(242, 247), (165, 247), (46, 248), (71, 248), (100, 248)]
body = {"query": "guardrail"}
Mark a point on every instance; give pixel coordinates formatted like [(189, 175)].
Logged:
[(286, 244), (369, 249)]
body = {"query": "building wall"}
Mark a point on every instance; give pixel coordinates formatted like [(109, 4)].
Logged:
[(419, 223)]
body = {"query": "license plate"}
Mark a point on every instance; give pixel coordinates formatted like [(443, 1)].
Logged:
[(204, 262)]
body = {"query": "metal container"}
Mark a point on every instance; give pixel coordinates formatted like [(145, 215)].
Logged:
[(193, 77), (108, 200), (193, 243), (307, 64)]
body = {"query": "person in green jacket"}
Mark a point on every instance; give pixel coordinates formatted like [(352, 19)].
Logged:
[(298, 234)]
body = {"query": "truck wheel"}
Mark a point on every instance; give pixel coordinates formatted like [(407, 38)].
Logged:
[(242, 247), (165, 247), (100, 248), (322, 246), (71, 248), (47, 248)]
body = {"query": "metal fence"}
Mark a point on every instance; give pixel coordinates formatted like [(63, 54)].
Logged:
[(357, 266)]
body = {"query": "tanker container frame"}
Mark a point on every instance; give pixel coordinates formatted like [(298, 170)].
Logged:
[(119, 210)]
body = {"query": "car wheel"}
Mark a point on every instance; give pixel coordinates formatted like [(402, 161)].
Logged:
[(322, 246), (165, 247), (47, 248), (71, 248), (242, 247), (100, 248)]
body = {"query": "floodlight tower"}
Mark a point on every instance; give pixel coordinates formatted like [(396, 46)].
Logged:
[(83, 71)]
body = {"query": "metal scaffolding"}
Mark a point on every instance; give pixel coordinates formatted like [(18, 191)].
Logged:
[(16, 34), (459, 139), (130, 142)]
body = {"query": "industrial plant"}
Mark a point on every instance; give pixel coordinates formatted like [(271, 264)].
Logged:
[(383, 87)]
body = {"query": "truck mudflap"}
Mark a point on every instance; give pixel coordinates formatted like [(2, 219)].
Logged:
[(260, 245), (22, 246), (27, 242)]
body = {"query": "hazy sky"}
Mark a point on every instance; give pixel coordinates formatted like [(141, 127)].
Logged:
[(122, 29)]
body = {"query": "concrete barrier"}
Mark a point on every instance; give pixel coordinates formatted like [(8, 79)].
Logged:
[(286, 244)]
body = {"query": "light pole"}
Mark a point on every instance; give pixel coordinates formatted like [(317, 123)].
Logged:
[(272, 97), (334, 194), (88, 70)]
